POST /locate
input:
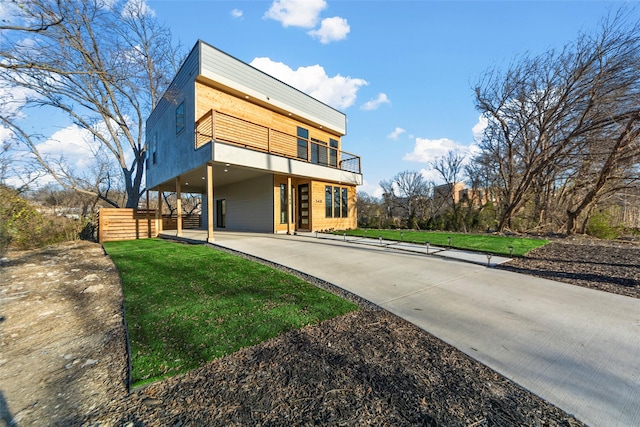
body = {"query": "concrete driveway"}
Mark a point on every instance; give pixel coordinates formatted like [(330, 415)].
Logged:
[(575, 347)]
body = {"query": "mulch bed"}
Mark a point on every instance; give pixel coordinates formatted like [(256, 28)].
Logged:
[(607, 266), (364, 368)]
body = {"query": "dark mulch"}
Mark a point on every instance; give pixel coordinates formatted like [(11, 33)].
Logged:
[(364, 368), (607, 266)]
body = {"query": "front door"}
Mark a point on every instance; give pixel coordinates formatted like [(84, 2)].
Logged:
[(303, 206)]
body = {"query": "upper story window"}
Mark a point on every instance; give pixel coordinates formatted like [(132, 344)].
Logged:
[(152, 158), (180, 118), (333, 152), (318, 152), (303, 143)]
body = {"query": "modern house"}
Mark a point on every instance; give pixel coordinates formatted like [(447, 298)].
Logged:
[(264, 156)]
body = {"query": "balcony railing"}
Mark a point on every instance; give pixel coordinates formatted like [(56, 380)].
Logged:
[(223, 127)]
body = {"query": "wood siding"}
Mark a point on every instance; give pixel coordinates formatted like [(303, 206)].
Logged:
[(245, 122), (125, 224), (320, 221), (317, 218)]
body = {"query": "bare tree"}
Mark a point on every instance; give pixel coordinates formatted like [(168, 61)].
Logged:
[(409, 191), (16, 168), (370, 211), (104, 64), (547, 113), (450, 168)]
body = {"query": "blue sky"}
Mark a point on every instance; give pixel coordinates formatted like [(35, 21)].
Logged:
[(402, 71)]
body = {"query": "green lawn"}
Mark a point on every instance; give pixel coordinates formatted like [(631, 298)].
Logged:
[(186, 305), (498, 245)]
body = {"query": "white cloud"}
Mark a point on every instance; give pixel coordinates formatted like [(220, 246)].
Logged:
[(372, 189), (478, 128), (74, 144), (427, 150), (237, 13), (6, 135), (136, 7), (296, 13), (375, 103), (7, 9), (331, 29), (396, 133), (431, 175), (338, 91)]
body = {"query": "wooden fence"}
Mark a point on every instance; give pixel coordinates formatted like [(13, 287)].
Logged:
[(125, 224), (130, 224)]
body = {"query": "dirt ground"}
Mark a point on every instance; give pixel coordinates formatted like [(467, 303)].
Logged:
[(64, 361), (62, 340)]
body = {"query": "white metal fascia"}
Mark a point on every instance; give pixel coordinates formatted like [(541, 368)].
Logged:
[(239, 156), (269, 100)]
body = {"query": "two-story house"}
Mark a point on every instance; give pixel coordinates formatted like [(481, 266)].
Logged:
[(264, 156)]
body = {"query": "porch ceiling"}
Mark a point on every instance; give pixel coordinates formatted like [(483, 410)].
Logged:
[(195, 181)]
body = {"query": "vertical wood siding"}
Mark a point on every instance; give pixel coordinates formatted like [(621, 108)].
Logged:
[(320, 221), (254, 122)]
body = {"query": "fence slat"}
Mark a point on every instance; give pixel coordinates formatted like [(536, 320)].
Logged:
[(130, 224)]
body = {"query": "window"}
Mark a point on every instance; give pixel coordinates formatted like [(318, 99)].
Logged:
[(315, 153), (333, 152), (336, 202), (221, 213), (303, 143), (180, 118), (283, 204), (328, 201), (318, 152), (154, 145), (345, 199)]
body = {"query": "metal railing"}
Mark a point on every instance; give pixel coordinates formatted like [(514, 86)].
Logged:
[(218, 126)]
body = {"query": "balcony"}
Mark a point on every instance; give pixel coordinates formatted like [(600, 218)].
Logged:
[(233, 130)]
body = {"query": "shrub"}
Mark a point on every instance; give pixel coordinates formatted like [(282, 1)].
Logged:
[(23, 227), (600, 226)]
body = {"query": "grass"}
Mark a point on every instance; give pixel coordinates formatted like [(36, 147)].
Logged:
[(498, 245), (186, 305)]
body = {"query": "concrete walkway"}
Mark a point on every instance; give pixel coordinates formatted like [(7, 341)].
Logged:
[(575, 347)]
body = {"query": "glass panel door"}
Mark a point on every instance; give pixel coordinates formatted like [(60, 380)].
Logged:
[(303, 206)]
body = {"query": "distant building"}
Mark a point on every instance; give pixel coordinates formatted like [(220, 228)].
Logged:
[(447, 193)]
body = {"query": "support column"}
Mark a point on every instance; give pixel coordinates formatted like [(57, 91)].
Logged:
[(210, 237), (159, 213), (147, 216), (290, 226), (179, 207)]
